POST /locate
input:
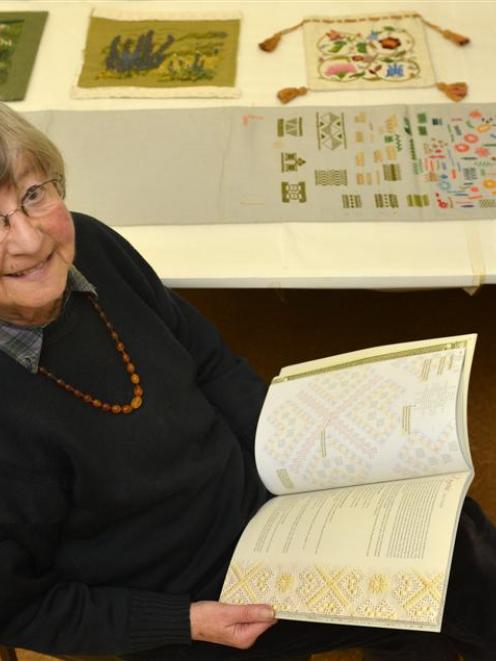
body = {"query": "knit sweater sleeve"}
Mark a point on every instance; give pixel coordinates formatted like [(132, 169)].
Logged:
[(44, 612)]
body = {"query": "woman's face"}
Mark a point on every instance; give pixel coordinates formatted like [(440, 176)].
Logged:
[(35, 257)]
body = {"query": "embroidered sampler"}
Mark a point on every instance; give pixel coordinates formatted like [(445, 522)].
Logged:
[(367, 52), (160, 55), (310, 164), (20, 35), (407, 163)]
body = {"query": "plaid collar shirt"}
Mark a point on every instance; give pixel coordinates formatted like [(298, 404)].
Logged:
[(24, 343)]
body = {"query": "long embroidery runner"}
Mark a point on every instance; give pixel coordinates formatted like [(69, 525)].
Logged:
[(255, 165)]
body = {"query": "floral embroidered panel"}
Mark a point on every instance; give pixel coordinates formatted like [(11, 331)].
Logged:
[(160, 55), (367, 52)]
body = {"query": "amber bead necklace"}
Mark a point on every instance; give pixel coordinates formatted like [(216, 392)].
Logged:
[(137, 398)]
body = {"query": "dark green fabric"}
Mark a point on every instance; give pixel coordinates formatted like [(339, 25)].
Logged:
[(21, 62)]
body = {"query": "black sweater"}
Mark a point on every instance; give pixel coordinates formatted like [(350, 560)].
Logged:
[(111, 524)]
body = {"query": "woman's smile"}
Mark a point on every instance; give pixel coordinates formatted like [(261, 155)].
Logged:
[(32, 272)]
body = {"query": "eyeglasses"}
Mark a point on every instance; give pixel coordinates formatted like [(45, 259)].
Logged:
[(36, 202)]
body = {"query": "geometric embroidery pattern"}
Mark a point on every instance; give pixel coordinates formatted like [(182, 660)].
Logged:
[(293, 192), (293, 127), (386, 200), (417, 200), (337, 591), (322, 436), (391, 171), (290, 162), (331, 178), (351, 201), (330, 130)]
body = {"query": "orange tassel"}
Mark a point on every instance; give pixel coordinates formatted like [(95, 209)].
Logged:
[(289, 93), (458, 39), (455, 37), (454, 91), (271, 43)]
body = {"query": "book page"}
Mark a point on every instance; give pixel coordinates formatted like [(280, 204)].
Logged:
[(391, 413), (374, 555)]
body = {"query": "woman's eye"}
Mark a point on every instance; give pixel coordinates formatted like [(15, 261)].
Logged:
[(33, 195)]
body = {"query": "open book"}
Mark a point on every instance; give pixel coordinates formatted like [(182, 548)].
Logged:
[(368, 454)]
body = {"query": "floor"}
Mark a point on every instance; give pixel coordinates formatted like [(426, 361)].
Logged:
[(24, 655)]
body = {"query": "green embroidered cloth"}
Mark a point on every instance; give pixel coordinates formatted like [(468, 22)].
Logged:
[(138, 55), (20, 35)]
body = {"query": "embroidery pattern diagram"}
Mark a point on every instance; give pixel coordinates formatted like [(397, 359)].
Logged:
[(386, 54), (315, 437), (338, 591)]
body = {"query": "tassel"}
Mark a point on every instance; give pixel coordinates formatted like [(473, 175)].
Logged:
[(458, 39), (289, 93), (455, 37), (271, 43), (454, 91)]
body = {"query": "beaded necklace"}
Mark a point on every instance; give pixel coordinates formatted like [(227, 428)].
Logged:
[(137, 398)]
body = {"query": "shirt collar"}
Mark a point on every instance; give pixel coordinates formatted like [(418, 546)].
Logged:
[(23, 344)]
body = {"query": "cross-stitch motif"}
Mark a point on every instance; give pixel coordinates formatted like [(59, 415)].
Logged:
[(293, 192), (292, 126), (459, 160), (402, 404), (386, 200), (331, 178), (330, 130), (338, 591), (404, 164), (291, 162)]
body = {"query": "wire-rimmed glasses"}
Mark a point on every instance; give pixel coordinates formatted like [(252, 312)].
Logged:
[(36, 202)]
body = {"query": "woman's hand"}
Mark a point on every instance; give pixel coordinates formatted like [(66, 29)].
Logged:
[(226, 624)]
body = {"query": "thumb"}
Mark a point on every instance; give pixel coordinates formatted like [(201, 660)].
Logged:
[(257, 613)]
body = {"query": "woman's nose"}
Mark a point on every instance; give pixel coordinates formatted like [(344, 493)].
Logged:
[(24, 234)]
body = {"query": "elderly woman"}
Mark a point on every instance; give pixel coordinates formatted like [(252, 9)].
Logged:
[(126, 456)]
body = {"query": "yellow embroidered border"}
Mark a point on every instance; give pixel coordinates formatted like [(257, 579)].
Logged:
[(405, 595)]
